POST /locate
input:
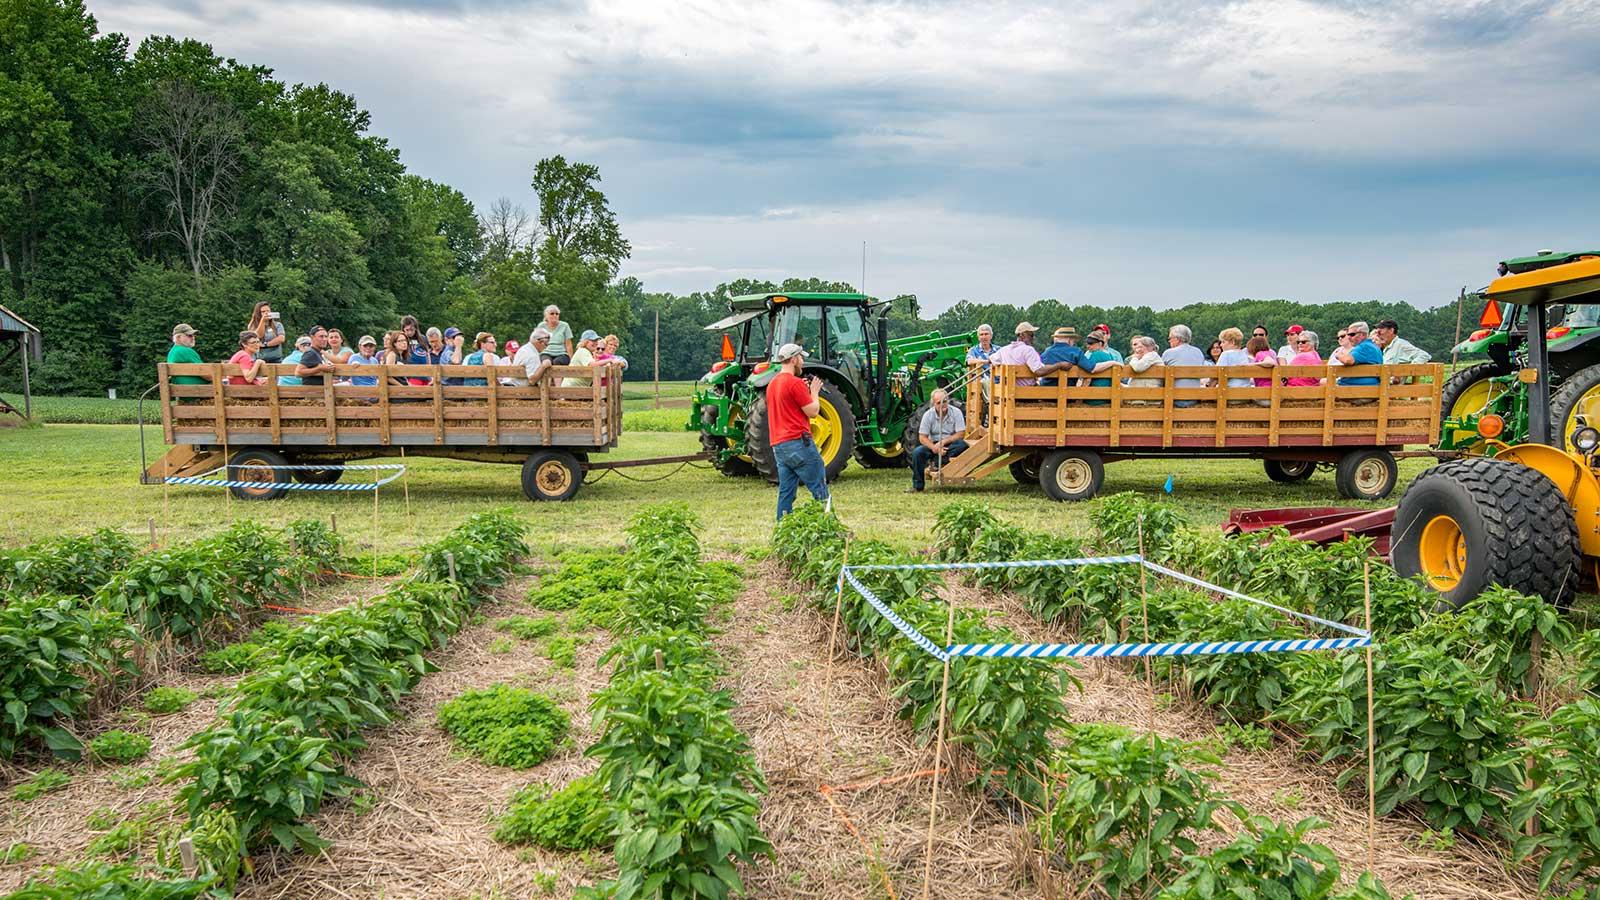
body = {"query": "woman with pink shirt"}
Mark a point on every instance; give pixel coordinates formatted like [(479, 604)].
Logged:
[(1261, 354), (247, 359), (1305, 354)]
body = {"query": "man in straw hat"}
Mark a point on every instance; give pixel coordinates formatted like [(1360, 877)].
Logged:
[(791, 404)]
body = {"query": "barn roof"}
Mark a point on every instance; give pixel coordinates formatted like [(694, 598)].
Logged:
[(11, 322)]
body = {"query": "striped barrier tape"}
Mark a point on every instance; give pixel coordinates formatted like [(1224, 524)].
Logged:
[(205, 480), (1360, 637)]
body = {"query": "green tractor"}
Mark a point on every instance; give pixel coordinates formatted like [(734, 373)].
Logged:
[(1487, 400), (874, 389)]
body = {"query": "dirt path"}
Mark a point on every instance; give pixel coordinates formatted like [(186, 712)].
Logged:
[(776, 647), (1278, 782), (425, 823)]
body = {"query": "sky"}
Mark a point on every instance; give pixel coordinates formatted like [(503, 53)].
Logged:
[(1098, 152)]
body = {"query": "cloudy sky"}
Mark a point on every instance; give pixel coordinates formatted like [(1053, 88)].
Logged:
[(1156, 153)]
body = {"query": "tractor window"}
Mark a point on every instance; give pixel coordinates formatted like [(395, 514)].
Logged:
[(1584, 316), (847, 342), (799, 325), (755, 340)]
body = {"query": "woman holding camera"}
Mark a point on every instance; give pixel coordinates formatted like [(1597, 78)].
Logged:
[(267, 326)]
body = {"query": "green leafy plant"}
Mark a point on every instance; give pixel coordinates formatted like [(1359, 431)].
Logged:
[(119, 746), (1129, 808), (39, 784), (165, 700), (318, 549), (1122, 518), (1564, 764), (109, 882), (527, 627), (593, 576), (562, 650), (74, 566), (505, 725), (175, 591), (16, 853), (216, 841), (1502, 633), (1271, 861), (53, 652), (1246, 737), (576, 817)]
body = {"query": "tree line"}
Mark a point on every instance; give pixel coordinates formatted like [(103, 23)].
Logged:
[(141, 187)]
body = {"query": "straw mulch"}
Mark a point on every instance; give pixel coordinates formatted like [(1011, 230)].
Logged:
[(806, 735), (428, 832), (1279, 782)]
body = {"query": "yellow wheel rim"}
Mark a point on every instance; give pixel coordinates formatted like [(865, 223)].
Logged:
[(1442, 553), (1475, 399), (553, 477), (887, 451), (827, 430), (1587, 406)]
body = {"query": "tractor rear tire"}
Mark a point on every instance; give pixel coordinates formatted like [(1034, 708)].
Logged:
[(1579, 395), (1471, 523), (1071, 474), (892, 456), (1026, 471), (551, 475), (1459, 390), (258, 464), (1366, 474), (758, 442), (1289, 471), (733, 467)]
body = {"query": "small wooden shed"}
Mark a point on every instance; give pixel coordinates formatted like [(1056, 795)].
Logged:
[(18, 336)]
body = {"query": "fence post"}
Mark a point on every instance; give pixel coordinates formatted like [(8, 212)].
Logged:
[(333, 522), (450, 563), (152, 533)]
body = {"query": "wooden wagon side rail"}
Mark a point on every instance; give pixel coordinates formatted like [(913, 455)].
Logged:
[(1206, 406), (573, 406)]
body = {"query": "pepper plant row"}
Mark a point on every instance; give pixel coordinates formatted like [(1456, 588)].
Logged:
[(682, 779), (75, 610), (1453, 741)]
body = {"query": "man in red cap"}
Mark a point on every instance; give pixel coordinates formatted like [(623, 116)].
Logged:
[(1106, 329), (1287, 351)]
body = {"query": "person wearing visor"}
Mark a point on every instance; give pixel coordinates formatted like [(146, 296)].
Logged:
[(791, 403)]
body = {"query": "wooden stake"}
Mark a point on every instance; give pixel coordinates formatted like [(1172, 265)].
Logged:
[(405, 485), (186, 852), (938, 754), (450, 563), (1144, 614), (1372, 735), (833, 638), (152, 533), (661, 662), (333, 522), (658, 359), (375, 532)]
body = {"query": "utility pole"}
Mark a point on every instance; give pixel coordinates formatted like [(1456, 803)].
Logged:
[(658, 359)]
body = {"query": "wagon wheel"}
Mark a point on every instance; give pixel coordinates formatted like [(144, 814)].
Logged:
[(551, 475), (260, 465)]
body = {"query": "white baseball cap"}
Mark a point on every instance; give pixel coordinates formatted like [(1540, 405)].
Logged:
[(1026, 328), (790, 351)]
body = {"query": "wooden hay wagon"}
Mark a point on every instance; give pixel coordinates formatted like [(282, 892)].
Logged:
[(259, 429), (1062, 434)]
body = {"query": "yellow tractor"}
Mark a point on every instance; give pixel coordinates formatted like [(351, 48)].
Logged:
[(1528, 517)]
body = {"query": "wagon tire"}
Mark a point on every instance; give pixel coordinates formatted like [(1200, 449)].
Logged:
[(258, 464), (551, 475), (1290, 471), (1468, 524), (1071, 474), (1366, 474)]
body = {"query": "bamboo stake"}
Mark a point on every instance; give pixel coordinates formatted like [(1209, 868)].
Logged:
[(1144, 613), (833, 637), (938, 754), (374, 532), (1372, 735), (152, 533), (405, 485)]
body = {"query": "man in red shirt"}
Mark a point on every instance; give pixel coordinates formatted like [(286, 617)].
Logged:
[(791, 402)]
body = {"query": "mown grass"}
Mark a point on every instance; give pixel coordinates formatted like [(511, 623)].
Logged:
[(71, 479)]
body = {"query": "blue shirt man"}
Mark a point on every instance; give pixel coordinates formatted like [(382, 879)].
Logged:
[(984, 348), (368, 356), (1361, 352), (1062, 351)]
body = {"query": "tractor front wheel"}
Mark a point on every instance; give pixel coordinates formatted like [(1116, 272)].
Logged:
[(888, 456), (731, 466), (833, 429), (1578, 396), (1470, 392), (1472, 523)]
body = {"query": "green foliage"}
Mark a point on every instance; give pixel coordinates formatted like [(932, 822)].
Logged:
[(1129, 808), (1563, 753), (1246, 737), (74, 566), (505, 725), (317, 547), (218, 847), (53, 651), (562, 650), (107, 881), (163, 701), (103, 819), (1249, 685), (577, 817), (16, 853), (1271, 861), (527, 627), (956, 527), (1121, 520), (1496, 632), (173, 591), (39, 784), (119, 746), (1442, 731)]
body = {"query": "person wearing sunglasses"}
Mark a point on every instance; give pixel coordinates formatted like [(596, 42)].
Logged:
[(1305, 354)]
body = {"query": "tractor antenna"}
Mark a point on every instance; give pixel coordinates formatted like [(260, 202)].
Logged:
[(863, 267)]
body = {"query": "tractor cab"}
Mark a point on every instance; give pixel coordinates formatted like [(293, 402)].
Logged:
[(1512, 519)]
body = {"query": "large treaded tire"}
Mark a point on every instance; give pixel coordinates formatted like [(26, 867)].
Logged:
[(1289, 471), (909, 438), (1457, 384), (873, 457), (1563, 404), (733, 467), (1516, 527), (758, 442)]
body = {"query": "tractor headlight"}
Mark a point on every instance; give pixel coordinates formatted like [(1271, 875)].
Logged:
[(1586, 438)]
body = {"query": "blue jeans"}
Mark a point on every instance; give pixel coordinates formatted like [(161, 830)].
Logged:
[(921, 456), (798, 461)]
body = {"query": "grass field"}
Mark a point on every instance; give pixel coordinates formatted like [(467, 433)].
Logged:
[(65, 479)]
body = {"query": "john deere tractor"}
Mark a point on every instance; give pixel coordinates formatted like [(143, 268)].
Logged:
[(1527, 517), (1489, 392), (873, 388)]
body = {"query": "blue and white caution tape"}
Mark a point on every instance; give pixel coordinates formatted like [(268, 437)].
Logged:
[(1083, 651), (205, 479), (1201, 648)]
